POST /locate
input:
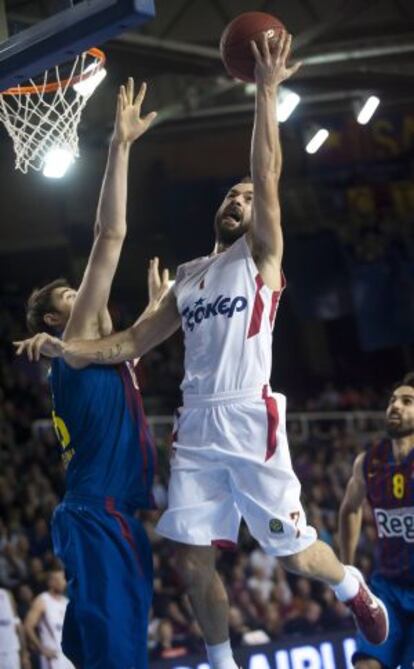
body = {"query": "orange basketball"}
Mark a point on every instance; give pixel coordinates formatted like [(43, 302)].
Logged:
[(235, 48)]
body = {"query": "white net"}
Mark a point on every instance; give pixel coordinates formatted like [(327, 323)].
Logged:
[(43, 120)]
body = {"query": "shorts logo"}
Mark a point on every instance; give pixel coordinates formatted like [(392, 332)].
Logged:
[(222, 306), (276, 526), (392, 523)]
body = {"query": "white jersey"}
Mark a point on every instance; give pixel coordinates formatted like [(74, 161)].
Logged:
[(228, 316), (230, 455), (50, 630), (9, 640)]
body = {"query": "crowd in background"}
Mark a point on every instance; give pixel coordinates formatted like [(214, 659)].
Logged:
[(266, 603)]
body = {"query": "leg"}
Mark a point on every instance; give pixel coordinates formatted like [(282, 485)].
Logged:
[(72, 645), (267, 493), (196, 565), (288, 536), (205, 589), (201, 511), (370, 614), (317, 561), (71, 637), (110, 560)]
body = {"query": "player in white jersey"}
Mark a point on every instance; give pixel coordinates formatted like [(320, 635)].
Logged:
[(230, 452), (13, 654), (44, 623)]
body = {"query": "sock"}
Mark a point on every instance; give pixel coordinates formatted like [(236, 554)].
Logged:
[(347, 588), (220, 656)]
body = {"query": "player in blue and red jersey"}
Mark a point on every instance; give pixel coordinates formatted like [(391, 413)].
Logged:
[(384, 475), (106, 446)]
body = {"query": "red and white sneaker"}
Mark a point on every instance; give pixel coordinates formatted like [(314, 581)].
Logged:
[(369, 612)]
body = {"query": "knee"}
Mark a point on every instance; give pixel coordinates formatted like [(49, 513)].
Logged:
[(368, 663), (297, 563), (195, 566), (316, 561), (187, 566)]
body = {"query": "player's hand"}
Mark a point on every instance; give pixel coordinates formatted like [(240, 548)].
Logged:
[(271, 59), (158, 283), (129, 124), (40, 344), (25, 661)]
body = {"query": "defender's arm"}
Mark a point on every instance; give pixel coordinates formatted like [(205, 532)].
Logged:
[(151, 329), (350, 512), (266, 157), (89, 314)]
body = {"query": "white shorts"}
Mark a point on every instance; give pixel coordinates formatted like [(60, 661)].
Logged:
[(230, 459)]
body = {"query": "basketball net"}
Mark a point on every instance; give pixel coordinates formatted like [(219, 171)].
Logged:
[(44, 117)]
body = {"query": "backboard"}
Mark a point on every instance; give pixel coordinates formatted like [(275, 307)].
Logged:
[(69, 32)]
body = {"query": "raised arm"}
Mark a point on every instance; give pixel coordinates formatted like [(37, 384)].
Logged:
[(350, 512), (266, 236), (89, 317)]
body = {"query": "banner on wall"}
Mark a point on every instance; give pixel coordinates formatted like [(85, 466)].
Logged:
[(384, 138), (317, 275), (332, 651), (384, 303)]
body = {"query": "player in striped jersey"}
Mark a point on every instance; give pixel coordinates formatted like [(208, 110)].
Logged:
[(44, 622), (384, 476), (105, 442)]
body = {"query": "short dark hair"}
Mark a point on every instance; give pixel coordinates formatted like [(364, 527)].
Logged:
[(54, 569), (407, 380), (39, 304)]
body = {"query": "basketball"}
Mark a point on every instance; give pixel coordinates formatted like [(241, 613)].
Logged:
[(235, 48)]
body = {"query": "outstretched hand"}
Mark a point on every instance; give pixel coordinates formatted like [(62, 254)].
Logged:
[(271, 59), (158, 283), (41, 344), (129, 124)]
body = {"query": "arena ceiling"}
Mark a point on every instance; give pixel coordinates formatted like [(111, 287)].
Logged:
[(350, 48)]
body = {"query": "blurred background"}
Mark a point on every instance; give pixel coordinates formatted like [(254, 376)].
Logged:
[(345, 327)]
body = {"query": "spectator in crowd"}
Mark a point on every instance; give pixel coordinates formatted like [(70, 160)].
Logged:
[(167, 647), (13, 650), (24, 599), (44, 622), (309, 621)]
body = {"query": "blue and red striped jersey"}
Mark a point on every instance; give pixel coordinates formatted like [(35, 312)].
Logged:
[(390, 491), (106, 445)]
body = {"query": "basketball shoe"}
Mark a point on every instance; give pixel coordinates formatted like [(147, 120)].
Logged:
[(369, 612)]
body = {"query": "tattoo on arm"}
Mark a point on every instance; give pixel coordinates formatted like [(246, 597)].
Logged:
[(110, 354)]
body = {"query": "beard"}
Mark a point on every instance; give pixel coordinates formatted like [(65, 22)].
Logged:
[(228, 236), (399, 430)]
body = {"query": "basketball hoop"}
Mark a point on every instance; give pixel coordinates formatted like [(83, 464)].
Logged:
[(43, 117)]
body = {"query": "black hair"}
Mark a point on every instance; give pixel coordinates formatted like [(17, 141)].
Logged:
[(407, 380)]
